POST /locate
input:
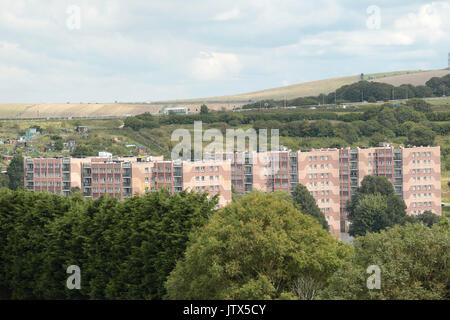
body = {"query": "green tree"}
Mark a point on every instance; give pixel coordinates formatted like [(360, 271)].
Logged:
[(151, 233), (59, 145), (204, 109), (375, 206), (255, 248), (23, 254), (386, 117), (346, 131), (82, 150), (376, 138), (428, 218), (15, 172), (407, 113), (421, 136), (321, 128), (307, 204), (419, 105), (413, 260), (4, 181)]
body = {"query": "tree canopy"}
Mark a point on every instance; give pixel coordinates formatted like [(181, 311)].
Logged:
[(413, 260), (375, 206), (125, 249), (15, 172), (307, 204), (255, 248)]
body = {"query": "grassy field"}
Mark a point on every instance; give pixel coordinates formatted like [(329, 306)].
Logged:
[(326, 86), (416, 79), (12, 110)]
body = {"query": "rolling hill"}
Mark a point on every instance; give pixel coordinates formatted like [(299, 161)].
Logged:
[(24, 111)]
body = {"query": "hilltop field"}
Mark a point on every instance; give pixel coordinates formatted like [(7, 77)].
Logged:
[(314, 88)]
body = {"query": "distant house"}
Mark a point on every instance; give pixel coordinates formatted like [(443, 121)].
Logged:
[(31, 132), (81, 129), (176, 110), (142, 149), (70, 145)]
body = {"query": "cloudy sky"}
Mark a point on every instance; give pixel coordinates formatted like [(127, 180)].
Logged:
[(131, 50)]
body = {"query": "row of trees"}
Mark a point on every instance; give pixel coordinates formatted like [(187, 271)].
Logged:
[(380, 123), (365, 91), (125, 249), (178, 247), (375, 207)]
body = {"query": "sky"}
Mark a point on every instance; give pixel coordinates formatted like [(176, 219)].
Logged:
[(133, 51)]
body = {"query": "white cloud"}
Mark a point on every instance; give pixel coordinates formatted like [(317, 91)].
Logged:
[(228, 15), (431, 23), (150, 49), (215, 65)]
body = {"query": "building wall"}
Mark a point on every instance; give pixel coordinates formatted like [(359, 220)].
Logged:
[(143, 180), (213, 177), (105, 178), (261, 170), (318, 170), (422, 169), (46, 173), (75, 171)]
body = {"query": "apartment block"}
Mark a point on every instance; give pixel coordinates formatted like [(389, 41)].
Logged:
[(123, 177), (319, 170), (331, 176)]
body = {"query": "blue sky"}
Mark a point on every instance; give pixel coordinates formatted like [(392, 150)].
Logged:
[(172, 49)]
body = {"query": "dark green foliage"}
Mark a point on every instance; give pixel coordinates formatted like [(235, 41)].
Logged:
[(375, 207), (419, 105), (307, 204), (145, 120), (255, 248), (4, 180), (83, 150), (420, 135), (125, 249), (15, 172), (428, 218), (413, 261), (204, 109)]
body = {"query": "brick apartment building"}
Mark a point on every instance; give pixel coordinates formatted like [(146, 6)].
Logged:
[(122, 177), (331, 175)]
